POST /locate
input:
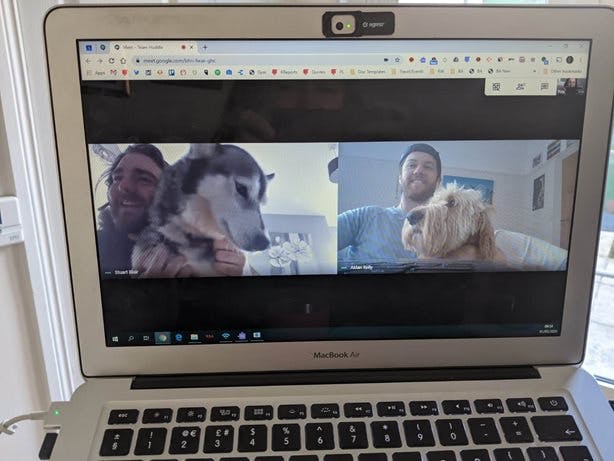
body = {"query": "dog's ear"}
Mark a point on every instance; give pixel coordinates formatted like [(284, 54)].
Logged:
[(486, 238), (434, 233), (269, 177), (202, 151)]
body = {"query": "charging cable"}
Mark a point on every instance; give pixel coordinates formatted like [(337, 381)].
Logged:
[(7, 427)]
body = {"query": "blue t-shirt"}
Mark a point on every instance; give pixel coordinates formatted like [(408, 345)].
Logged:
[(372, 234)]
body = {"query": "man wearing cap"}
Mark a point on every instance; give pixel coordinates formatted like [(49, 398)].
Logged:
[(372, 234)]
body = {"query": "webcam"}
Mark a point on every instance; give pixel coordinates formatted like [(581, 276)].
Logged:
[(357, 23)]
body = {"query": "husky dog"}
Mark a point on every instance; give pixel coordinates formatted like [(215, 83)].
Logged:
[(212, 191), (453, 224)]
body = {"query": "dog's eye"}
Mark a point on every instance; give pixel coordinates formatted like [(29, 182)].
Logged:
[(241, 189), (451, 203)]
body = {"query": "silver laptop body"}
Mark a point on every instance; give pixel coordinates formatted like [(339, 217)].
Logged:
[(321, 233)]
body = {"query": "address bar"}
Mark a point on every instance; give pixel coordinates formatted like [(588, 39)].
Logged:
[(268, 59)]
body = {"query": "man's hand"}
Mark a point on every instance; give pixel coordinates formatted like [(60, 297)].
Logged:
[(159, 261), (229, 260)]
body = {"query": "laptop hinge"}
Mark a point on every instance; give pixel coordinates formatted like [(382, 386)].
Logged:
[(289, 378)]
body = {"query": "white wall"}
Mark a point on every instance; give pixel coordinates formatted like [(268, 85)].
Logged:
[(23, 384), (545, 223)]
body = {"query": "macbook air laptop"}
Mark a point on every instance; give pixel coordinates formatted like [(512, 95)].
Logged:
[(322, 233)]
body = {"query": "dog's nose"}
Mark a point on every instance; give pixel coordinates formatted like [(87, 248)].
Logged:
[(414, 217), (260, 242)]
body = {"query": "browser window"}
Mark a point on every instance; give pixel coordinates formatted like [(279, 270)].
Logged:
[(257, 171)]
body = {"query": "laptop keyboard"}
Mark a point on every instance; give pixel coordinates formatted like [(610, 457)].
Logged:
[(515, 429)]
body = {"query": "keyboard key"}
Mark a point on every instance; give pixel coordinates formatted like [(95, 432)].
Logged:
[(150, 441), (319, 436), (385, 434), (286, 437), (357, 410), (267, 458), (423, 408), (509, 454), (202, 459), (235, 458), (372, 457), (304, 458), (579, 453), (552, 404), (451, 432), (292, 412), (556, 428), (346, 457), (116, 442), (407, 456), (352, 435), (474, 455), (483, 431), (123, 416), (391, 409), (225, 413), (324, 410), (157, 415), (488, 406), (184, 440), (253, 438), (258, 413), (418, 433), (525, 405), (441, 456), (218, 439), (191, 415), (542, 454), (456, 407), (516, 429)]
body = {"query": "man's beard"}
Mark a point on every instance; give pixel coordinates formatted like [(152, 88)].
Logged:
[(420, 197), (129, 226)]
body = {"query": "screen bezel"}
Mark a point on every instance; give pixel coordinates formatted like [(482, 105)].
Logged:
[(65, 25)]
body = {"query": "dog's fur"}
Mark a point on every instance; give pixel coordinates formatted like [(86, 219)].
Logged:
[(212, 191), (453, 224)]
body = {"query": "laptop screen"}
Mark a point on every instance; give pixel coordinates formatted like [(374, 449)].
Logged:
[(315, 190)]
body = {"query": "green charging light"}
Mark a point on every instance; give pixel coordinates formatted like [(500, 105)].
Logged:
[(56, 412), (348, 26)]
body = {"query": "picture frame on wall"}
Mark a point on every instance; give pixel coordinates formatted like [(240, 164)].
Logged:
[(539, 185), (485, 186)]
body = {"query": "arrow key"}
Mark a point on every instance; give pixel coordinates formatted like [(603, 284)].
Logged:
[(556, 428)]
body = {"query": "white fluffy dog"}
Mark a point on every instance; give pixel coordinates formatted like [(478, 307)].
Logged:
[(453, 224)]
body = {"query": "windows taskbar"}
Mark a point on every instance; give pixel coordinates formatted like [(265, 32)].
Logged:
[(249, 336)]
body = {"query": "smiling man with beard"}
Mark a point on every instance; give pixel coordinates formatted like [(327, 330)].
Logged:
[(131, 183), (372, 234)]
